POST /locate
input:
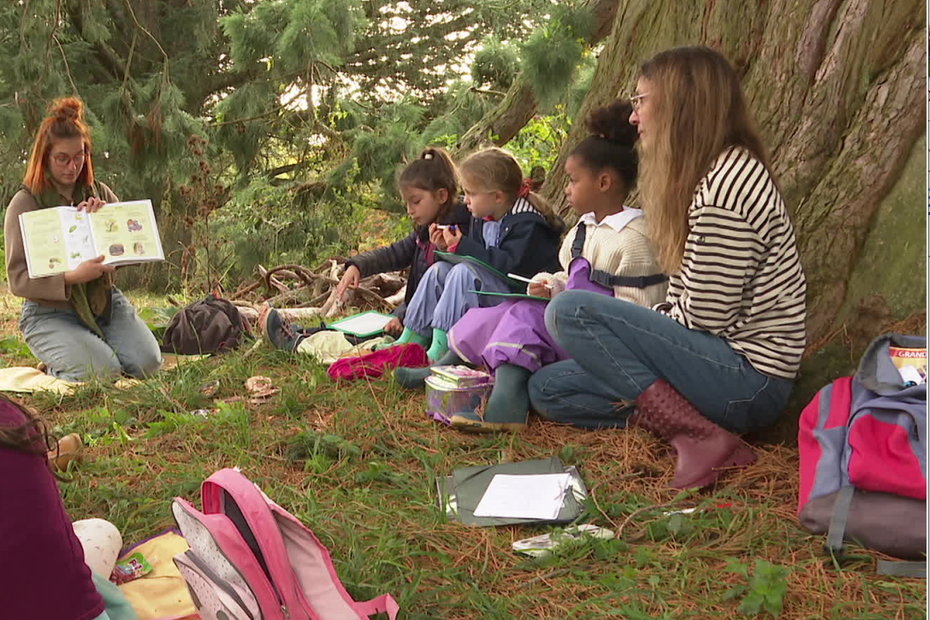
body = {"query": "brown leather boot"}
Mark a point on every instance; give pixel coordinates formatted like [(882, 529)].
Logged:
[(702, 446)]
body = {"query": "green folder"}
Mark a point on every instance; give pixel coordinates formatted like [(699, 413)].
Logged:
[(460, 493), (363, 324), (471, 260), (513, 295)]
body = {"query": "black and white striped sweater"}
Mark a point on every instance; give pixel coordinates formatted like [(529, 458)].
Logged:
[(741, 276)]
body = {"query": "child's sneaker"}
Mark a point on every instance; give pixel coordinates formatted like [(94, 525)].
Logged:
[(277, 332)]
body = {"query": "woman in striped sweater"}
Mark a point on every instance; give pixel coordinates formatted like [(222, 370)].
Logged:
[(721, 353)]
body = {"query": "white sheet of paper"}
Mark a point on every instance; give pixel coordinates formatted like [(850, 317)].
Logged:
[(532, 496), (365, 323)]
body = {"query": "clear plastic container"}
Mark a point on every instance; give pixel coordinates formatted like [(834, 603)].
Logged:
[(444, 398)]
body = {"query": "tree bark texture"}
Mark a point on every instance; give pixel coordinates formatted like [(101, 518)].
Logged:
[(519, 105), (837, 88)]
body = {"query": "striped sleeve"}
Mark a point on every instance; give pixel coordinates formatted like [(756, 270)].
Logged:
[(720, 253), (740, 276)]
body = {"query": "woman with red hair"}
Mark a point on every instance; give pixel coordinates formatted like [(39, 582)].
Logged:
[(77, 323)]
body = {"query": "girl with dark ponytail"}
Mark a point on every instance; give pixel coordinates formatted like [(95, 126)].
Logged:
[(429, 186), (606, 253)]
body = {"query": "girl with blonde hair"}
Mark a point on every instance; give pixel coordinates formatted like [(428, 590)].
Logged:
[(721, 352), (512, 230)]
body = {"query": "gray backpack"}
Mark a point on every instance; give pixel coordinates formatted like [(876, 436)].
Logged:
[(211, 325)]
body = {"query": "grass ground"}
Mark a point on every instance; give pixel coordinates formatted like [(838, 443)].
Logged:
[(358, 463)]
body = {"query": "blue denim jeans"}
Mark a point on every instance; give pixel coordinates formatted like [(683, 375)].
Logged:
[(618, 349), (73, 352), (445, 294)]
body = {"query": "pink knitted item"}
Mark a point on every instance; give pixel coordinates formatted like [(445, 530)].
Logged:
[(409, 355)]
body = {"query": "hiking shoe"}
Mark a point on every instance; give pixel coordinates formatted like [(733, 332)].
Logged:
[(277, 332), (68, 449)]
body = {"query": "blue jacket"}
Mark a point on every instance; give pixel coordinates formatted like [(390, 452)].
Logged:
[(526, 246)]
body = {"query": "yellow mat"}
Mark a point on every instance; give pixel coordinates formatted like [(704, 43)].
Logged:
[(27, 380), (161, 594)]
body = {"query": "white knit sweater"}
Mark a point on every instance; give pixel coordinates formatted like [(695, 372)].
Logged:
[(623, 253)]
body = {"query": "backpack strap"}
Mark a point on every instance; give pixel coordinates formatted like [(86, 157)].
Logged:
[(834, 544), (844, 496), (609, 280), (902, 569), (581, 231), (384, 604)]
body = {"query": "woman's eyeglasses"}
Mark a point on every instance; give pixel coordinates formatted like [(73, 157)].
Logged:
[(637, 101), (63, 159)]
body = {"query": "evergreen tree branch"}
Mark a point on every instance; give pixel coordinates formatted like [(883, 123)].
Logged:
[(487, 91), (51, 35), (132, 49), (151, 36), (64, 58), (104, 53), (266, 114), (380, 45), (275, 172)]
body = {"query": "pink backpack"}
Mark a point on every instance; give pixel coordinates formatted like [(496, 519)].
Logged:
[(863, 446), (252, 560)]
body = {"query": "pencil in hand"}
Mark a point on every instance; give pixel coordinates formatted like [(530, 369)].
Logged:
[(514, 276)]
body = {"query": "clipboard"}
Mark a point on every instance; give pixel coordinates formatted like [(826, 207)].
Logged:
[(363, 324), (513, 295), (471, 260), (459, 493)]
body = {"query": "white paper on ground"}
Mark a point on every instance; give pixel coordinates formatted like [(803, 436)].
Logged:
[(529, 496)]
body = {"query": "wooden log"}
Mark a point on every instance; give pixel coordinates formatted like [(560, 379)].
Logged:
[(270, 281), (289, 314)]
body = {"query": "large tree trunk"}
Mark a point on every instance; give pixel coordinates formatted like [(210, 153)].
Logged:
[(837, 88), (519, 105)]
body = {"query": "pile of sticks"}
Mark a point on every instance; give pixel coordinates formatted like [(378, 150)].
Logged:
[(299, 292)]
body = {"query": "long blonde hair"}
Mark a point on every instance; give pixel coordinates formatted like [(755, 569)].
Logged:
[(494, 170), (699, 111)]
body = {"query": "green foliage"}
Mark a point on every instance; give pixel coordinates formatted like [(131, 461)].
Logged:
[(13, 345), (264, 224), (496, 64), (765, 590), (538, 143), (305, 110), (553, 52)]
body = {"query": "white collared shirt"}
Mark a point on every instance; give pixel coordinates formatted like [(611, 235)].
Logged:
[(617, 221)]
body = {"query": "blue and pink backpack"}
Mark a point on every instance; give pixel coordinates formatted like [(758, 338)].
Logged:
[(863, 446), (250, 559)]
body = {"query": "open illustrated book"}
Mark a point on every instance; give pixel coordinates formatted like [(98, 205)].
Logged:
[(59, 239)]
